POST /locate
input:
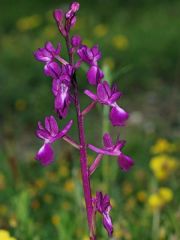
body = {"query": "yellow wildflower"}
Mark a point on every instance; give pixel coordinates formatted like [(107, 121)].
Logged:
[(155, 201), (166, 194), (2, 182), (48, 198), (85, 237), (141, 196), (66, 206), (20, 105), (127, 188), (160, 198), (109, 62), (64, 171), (55, 219), (162, 146), (49, 31), (35, 204), (3, 209), (120, 42), (69, 186), (4, 235), (163, 166), (40, 183), (100, 30), (28, 23), (13, 222)]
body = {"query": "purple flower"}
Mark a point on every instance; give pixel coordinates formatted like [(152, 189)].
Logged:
[(76, 41), (89, 55), (71, 16), (61, 88), (109, 96), (62, 97), (47, 54), (102, 205), (50, 133), (125, 162), (94, 75)]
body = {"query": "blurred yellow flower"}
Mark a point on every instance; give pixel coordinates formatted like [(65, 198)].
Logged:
[(49, 31), (3, 209), (63, 171), (141, 196), (4, 235), (35, 204), (55, 219), (163, 166), (109, 62), (162, 146), (13, 222), (40, 183), (69, 186), (66, 206), (85, 237), (155, 201), (20, 105), (28, 23), (48, 198), (2, 182), (166, 194), (127, 188), (120, 42), (160, 198), (130, 204), (100, 30)]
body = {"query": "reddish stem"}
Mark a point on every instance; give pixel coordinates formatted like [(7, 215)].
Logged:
[(83, 151)]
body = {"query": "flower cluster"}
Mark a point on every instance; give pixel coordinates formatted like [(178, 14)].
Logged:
[(63, 74)]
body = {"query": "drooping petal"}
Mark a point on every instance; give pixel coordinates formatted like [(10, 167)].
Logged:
[(118, 116), (45, 154), (94, 75), (115, 97), (107, 222), (125, 162)]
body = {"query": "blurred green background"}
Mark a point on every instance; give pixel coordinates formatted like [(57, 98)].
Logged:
[(139, 41)]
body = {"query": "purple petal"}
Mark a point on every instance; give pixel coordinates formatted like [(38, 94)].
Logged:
[(94, 75), (107, 222), (58, 15), (76, 41), (107, 140), (42, 55), (53, 126), (118, 116), (103, 151), (91, 95), (75, 6), (115, 97), (125, 162), (102, 93), (45, 154), (65, 129), (42, 134), (52, 69), (47, 124)]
